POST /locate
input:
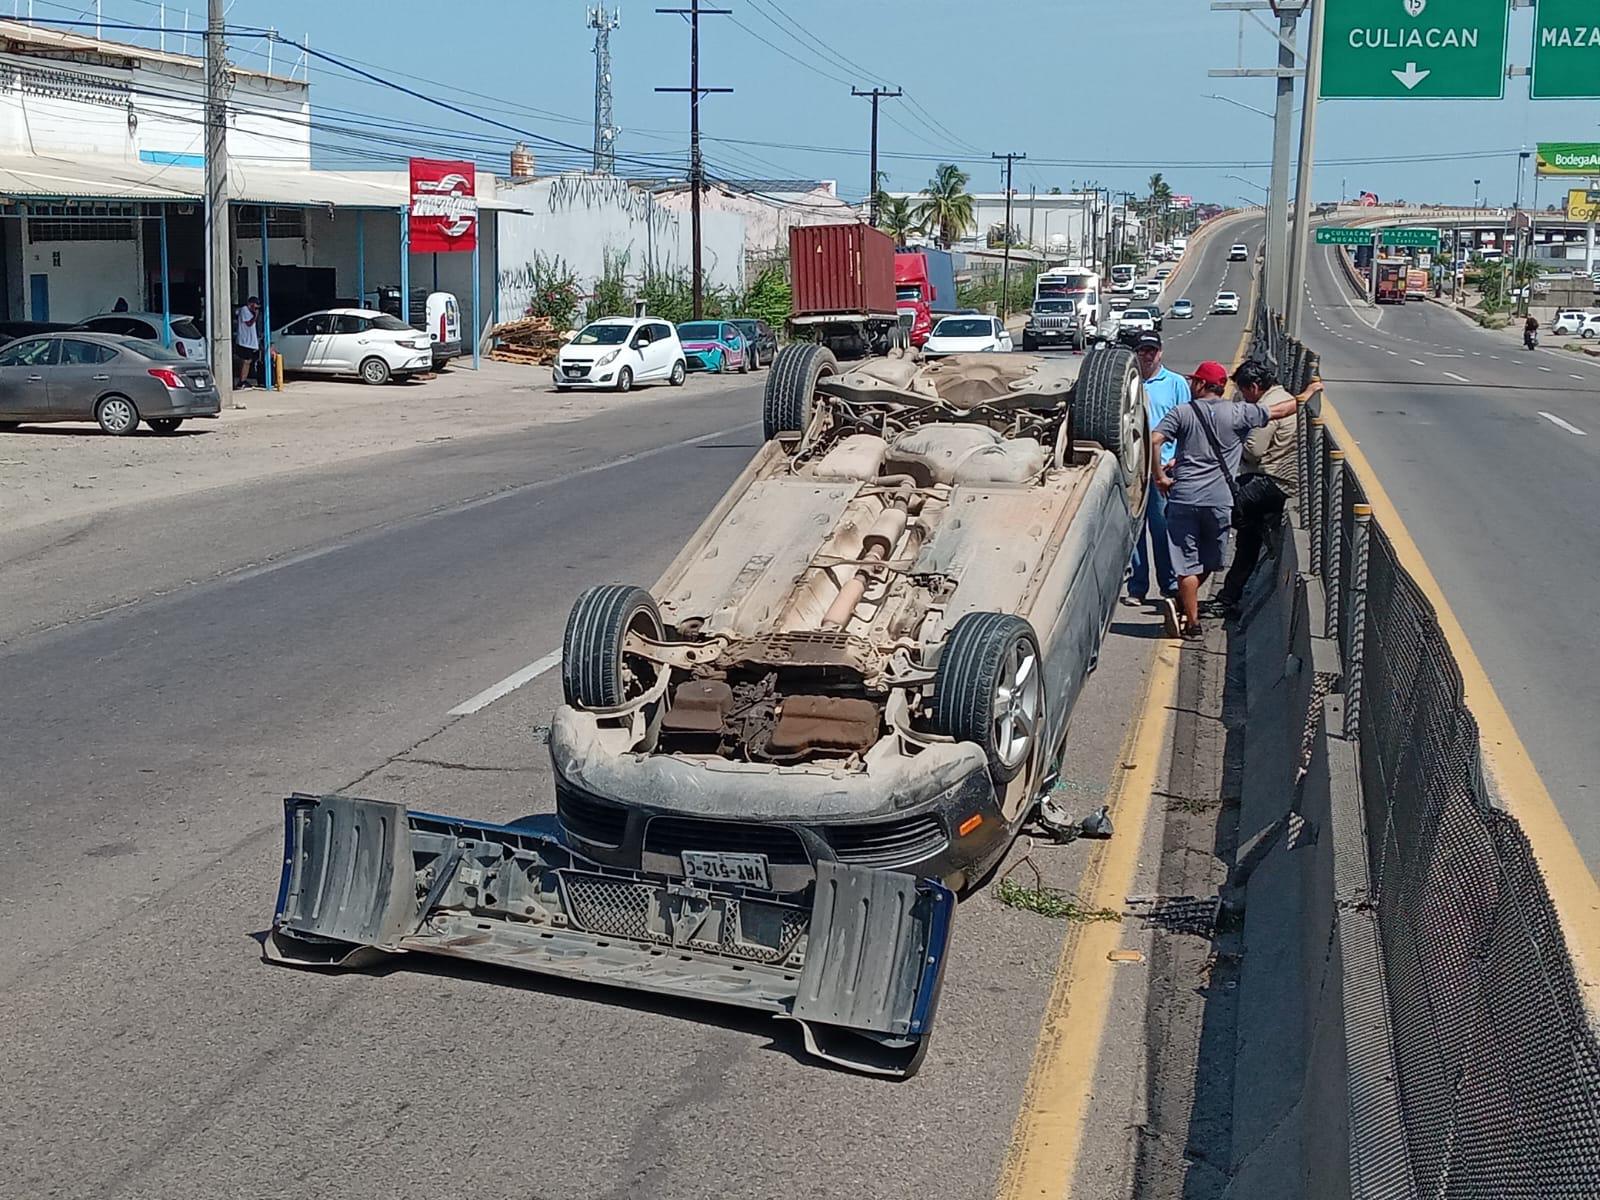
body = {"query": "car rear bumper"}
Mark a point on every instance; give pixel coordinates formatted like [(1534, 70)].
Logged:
[(936, 814), (857, 959), (187, 406)]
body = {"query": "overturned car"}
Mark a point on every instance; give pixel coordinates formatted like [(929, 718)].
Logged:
[(775, 768)]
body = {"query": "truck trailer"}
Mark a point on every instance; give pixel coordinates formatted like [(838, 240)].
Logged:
[(844, 290)]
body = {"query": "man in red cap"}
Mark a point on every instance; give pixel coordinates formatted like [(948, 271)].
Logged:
[(1210, 434)]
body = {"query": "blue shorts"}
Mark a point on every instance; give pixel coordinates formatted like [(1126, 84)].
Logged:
[(1198, 537)]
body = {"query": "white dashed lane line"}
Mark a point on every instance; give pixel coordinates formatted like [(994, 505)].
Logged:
[(1544, 368), (1560, 424), (1419, 362), (1577, 377), (1457, 378)]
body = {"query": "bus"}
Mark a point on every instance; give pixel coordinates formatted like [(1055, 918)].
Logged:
[(1122, 278)]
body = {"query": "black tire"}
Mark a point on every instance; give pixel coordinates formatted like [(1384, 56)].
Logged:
[(680, 372), (117, 415), (8, 426), (594, 671), (744, 363), (792, 388), (165, 425), (1588, 333), (625, 379), (374, 371), (1108, 407), (979, 659), (1028, 344)]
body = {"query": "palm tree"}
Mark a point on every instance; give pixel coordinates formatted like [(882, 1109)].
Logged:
[(1160, 196), (896, 218), (947, 205)]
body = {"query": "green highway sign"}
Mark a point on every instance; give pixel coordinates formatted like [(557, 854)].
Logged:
[(1566, 51), (1330, 235), (1423, 49), (1411, 236)]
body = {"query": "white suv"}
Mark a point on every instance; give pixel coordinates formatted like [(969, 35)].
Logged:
[(1226, 302), (618, 352), (1238, 252)]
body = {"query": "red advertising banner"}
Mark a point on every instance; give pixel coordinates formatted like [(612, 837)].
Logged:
[(1182, 201), (444, 206)]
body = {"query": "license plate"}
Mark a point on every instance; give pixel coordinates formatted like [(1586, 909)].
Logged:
[(574, 371), (705, 866)]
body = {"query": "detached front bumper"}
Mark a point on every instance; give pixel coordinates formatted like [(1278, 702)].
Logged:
[(857, 959)]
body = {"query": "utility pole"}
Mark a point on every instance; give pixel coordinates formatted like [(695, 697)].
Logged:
[(1302, 200), (605, 130), (875, 94), (219, 257), (697, 168), (1005, 268), (1288, 14)]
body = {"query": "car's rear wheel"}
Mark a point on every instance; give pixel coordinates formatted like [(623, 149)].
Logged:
[(596, 671), (117, 415), (792, 388), (680, 372), (374, 371), (165, 424), (1108, 407), (989, 689)]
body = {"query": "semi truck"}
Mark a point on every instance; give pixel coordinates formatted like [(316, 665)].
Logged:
[(1390, 287), (924, 289), (844, 289)]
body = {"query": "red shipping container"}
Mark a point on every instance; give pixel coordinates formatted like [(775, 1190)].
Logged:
[(845, 269)]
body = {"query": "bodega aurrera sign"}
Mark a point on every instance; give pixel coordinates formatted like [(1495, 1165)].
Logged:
[(1423, 49)]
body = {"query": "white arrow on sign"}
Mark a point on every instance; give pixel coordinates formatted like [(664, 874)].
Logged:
[(1411, 76)]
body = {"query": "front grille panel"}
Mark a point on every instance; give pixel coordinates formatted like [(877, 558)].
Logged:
[(888, 842), (764, 933), (591, 818), (673, 835)]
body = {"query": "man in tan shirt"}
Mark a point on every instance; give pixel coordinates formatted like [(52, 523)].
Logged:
[(1269, 476)]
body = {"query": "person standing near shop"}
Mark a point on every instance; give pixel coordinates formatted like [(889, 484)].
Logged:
[(246, 341), (1164, 390)]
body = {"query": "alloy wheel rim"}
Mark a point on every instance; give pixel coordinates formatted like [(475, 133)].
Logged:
[(1017, 705)]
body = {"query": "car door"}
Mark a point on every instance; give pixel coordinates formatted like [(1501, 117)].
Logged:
[(347, 344), (24, 387), (294, 342), (663, 350), (1002, 336), (80, 375)]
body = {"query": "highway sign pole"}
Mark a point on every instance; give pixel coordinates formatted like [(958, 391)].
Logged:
[(1308, 133), (1372, 272)]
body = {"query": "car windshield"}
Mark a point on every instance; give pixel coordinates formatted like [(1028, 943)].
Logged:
[(1055, 306), (908, 291), (1180, 304), (602, 335), (962, 327), (1226, 296), (699, 331), (747, 327), (1136, 314), (392, 324)]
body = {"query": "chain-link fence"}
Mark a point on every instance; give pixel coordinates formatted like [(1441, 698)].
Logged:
[(1497, 1067)]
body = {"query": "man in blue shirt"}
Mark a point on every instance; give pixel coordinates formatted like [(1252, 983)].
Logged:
[(1164, 390)]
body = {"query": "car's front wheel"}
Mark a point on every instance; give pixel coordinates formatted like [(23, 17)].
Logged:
[(374, 371), (625, 379), (989, 689), (596, 669), (117, 416)]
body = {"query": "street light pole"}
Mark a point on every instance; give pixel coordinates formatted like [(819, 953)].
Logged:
[(1308, 133)]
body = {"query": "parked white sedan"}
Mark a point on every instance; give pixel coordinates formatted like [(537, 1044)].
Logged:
[(354, 341), (967, 335)]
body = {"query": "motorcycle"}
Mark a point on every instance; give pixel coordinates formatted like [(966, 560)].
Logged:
[(1530, 339)]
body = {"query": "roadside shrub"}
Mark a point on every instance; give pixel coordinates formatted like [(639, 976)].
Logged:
[(555, 292)]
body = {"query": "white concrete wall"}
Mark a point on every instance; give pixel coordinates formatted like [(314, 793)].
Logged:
[(90, 109), (88, 279), (581, 218), (766, 222)]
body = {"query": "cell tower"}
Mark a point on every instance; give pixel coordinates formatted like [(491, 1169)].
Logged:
[(605, 130)]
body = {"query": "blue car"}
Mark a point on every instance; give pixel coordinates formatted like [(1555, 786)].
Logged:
[(714, 346)]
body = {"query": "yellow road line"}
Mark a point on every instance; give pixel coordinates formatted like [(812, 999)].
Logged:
[(1518, 784), (1049, 1128), (1044, 1142)]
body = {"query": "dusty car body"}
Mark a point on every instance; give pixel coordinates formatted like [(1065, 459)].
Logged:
[(834, 709)]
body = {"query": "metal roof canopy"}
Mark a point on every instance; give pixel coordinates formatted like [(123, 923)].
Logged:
[(25, 177), (35, 37)]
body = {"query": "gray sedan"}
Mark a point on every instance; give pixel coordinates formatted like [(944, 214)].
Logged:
[(115, 381)]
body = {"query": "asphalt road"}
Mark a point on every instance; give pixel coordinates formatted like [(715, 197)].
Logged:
[(1492, 455), (169, 673)]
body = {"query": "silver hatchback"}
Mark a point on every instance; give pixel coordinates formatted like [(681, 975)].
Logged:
[(114, 381)]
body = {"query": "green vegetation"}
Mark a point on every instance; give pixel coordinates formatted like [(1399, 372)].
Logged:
[(555, 291), (947, 205), (669, 296), (895, 218), (984, 291), (1050, 902)]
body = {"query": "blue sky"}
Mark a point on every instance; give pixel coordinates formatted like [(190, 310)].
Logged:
[(1101, 90)]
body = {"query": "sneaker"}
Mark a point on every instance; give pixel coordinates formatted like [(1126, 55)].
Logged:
[(1169, 616)]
